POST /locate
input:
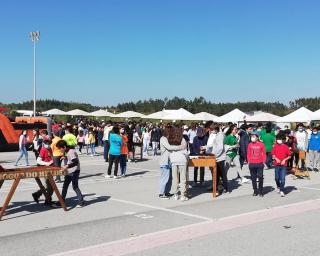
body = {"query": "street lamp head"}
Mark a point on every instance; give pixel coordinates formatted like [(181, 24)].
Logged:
[(35, 36)]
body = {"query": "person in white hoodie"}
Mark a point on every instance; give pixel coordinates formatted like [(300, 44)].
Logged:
[(179, 165), (302, 144), (216, 147)]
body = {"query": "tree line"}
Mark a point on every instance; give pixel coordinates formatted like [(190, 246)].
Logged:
[(198, 104)]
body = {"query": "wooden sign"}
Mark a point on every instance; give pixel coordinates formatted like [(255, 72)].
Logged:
[(33, 172)]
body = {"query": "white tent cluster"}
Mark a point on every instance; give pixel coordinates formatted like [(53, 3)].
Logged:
[(302, 114)]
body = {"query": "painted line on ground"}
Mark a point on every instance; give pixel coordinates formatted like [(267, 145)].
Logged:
[(171, 236)]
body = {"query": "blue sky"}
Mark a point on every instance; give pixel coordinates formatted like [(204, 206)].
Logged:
[(110, 51)]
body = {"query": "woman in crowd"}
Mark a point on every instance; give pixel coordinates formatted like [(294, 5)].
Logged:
[(124, 152), (114, 152), (23, 140), (36, 142), (146, 137)]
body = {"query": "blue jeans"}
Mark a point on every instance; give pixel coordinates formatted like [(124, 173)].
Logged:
[(269, 160), (280, 176), (123, 164), (22, 152), (93, 148), (165, 180), (74, 178)]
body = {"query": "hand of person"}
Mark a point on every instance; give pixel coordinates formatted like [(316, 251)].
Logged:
[(65, 170), (283, 162), (278, 161)]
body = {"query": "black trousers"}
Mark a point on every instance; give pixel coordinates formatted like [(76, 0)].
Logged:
[(113, 159), (256, 171), (195, 174), (222, 174)]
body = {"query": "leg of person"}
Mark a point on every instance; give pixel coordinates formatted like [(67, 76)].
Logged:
[(108, 148), (183, 182), (277, 177), (25, 152), (124, 165), (311, 158), (111, 160), (57, 163), (224, 176), (75, 186), (175, 180), (49, 190), (253, 174), (116, 165), (317, 161), (241, 160), (201, 175), (240, 171), (66, 183), (164, 178), (282, 177), (19, 157), (122, 162), (195, 175), (219, 173), (260, 178)]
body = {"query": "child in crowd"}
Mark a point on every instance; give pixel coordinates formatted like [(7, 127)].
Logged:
[(280, 154), (256, 155), (81, 140), (124, 152)]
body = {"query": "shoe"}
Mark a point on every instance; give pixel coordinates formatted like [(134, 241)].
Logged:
[(123, 175), (244, 180), (315, 169), (309, 169), (255, 194), (278, 190), (282, 194), (80, 205), (226, 191), (58, 180), (184, 198), (107, 176), (261, 195), (47, 203), (35, 197), (55, 204), (176, 197), (168, 194), (162, 196), (116, 177)]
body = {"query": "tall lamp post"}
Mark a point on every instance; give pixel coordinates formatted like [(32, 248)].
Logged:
[(35, 36)]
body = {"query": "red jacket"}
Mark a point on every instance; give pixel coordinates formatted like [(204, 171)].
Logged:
[(256, 153)]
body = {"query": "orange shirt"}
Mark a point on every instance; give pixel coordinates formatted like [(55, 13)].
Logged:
[(55, 150), (124, 147)]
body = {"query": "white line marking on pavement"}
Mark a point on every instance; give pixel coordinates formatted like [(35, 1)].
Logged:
[(160, 208), (185, 233)]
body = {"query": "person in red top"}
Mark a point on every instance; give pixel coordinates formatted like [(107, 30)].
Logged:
[(45, 158), (256, 156), (280, 154), (124, 152)]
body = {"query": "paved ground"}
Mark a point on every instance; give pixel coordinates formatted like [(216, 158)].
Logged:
[(125, 217)]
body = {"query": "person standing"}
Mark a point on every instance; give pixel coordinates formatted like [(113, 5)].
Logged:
[(81, 140), (114, 152), (155, 139), (244, 133), (192, 133), (58, 155), (268, 140), (36, 142), (302, 145), (23, 140), (92, 142), (70, 138), (124, 152), (146, 136), (256, 155), (314, 150), (281, 154)]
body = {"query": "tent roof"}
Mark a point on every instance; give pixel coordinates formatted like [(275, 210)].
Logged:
[(180, 114), (235, 115), (262, 117), (25, 112), (316, 115), (77, 112), (54, 111), (130, 114), (160, 114), (101, 113), (204, 116), (300, 115)]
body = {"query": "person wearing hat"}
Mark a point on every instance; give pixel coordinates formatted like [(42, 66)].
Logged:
[(45, 158), (256, 156)]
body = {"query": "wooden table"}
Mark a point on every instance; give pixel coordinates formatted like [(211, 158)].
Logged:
[(30, 173), (206, 161)]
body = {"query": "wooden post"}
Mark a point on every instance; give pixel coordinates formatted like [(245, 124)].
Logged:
[(55, 189), (9, 196)]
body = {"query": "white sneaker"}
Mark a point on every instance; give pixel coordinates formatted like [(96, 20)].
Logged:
[(176, 197), (282, 194), (244, 180), (107, 176), (278, 190), (184, 198), (123, 175), (116, 177)]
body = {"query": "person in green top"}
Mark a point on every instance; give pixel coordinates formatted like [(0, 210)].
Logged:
[(69, 138), (232, 145), (268, 140)]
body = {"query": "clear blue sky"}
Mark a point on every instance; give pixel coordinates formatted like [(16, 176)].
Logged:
[(109, 51)]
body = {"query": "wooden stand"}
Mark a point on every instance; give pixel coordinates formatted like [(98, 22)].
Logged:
[(27, 173), (207, 161)]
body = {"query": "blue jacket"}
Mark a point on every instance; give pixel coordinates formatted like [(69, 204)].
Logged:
[(197, 143), (115, 144), (314, 142), (244, 142)]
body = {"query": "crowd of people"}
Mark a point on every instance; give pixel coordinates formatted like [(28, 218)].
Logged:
[(261, 146)]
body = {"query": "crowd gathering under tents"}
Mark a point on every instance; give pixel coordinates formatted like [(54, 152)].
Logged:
[(235, 139)]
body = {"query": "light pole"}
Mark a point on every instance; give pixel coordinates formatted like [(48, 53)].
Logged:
[(35, 36)]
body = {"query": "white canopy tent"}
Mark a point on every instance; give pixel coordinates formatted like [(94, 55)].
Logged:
[(204, 116), (101, 113), (25, 112), (234, 116), (77, 112), (316, 115), (130, 114), (302, 115), (54, 112), (262, 117), (160, 114), (180, 114)]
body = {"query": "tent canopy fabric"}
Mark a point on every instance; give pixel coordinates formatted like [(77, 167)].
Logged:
[(204, 116), (77, 112), (101, 113), (180, 114), (160, 114), (262, 117), (55, 111), (300, 115), (316, 115), (25, 112), (234, 116), (130, 114)]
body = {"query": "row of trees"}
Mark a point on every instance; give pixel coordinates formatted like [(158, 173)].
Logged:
[(196, 105)]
